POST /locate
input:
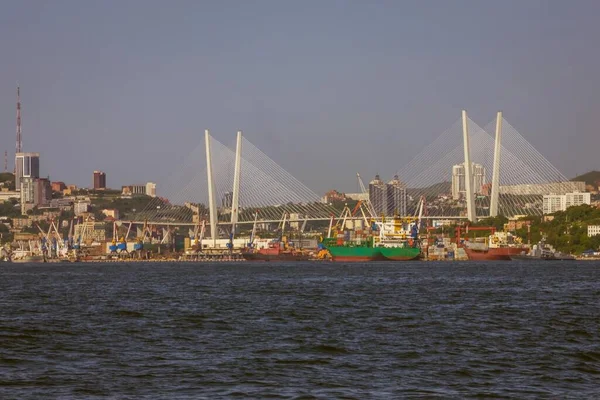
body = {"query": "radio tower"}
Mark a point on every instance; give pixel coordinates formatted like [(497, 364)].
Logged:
[(5, 161), (19, 142)]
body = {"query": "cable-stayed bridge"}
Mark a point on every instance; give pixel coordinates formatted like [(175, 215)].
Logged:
[(227, 185)]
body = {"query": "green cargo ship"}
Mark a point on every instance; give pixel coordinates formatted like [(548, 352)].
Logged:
[(365, 251)]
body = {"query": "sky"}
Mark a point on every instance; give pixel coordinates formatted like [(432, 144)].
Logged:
[(326, 88)]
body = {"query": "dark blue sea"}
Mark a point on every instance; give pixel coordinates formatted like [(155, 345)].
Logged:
[(300, 331)]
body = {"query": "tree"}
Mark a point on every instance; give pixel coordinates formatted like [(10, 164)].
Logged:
[(8, 209)]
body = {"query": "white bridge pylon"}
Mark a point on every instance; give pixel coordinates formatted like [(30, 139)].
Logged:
[(469, 179), (257, 181), (510, 179)]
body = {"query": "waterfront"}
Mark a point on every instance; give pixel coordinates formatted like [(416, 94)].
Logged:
[(184, 330)]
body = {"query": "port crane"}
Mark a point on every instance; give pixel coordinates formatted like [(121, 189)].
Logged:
[(363, 189)]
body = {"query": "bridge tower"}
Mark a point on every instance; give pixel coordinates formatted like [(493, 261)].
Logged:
[(236, 183), (471, 215), (212, 204), (496, 174)]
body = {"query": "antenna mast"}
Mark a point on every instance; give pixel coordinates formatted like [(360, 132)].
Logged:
[(19, 141)]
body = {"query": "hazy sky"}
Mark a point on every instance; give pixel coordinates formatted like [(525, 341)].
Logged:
[(326, 88)]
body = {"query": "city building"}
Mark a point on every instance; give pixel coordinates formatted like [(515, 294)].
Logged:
[(357, 196), (61, 204), (19, 223), (151, 189), (58, 186), (378, 195), (333, 195), (560, 202), (27, 165), (111, 213), (148, 189), (388, 199), (34, 193), (559, 188), (593, 230), (6, 195), (99, 180), (516, 222), (81, 207), (458, 179), (553, 203), (227, 200), (577, 199), (69, 190), (396, 197)]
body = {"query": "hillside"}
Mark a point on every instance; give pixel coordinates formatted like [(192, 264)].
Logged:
[(9, 179), (433, 190), (590, 178)]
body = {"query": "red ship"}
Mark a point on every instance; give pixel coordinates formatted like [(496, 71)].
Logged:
[(497, 246), (492, 253), (276, 251)]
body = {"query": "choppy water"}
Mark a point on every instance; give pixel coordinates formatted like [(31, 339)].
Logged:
[(300, 331)]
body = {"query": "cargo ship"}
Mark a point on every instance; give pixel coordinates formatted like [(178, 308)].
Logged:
[(395, 240), (498, 246), (276, 250)]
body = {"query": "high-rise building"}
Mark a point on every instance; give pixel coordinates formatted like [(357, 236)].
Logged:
[(34, 192), (378, 195), (99, 180), (396, 197), (388, 199), (27, 165), (458, 179)]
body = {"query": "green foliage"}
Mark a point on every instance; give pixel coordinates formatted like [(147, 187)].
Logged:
[(567, 232), (8, 209), (497, 222), (125, 206), (7, 177)]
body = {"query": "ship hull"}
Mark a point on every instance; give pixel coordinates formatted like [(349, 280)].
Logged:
[(489, 254), (29, 259), (367, 254), (532, 258), (355, 254), (252, 256), (400, 253)]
